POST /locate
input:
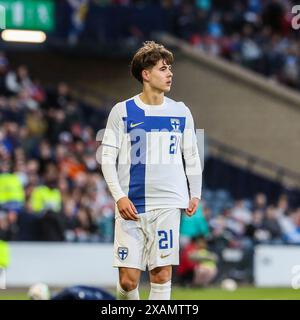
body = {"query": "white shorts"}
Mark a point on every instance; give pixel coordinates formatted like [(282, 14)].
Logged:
[(151, 241)]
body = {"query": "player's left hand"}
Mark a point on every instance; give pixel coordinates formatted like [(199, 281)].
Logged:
[(193, 205)]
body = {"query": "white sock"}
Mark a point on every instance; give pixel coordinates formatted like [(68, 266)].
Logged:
[(160, 291), (127, 295)]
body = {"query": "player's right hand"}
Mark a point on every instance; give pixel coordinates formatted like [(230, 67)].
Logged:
[(127, 209)]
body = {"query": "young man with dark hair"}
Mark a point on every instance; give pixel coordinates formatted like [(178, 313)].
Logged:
[(152, 140)]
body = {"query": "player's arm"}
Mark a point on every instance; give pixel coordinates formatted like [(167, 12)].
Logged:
[(110, 147), (193, 168)]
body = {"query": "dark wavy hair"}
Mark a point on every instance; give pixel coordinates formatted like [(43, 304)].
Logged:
[(147, 57)]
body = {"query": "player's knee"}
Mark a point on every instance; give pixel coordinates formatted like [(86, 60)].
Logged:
[(128, 284), (161, 275)]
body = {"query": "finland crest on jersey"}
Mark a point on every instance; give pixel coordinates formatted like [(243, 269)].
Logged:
[(175, 123)]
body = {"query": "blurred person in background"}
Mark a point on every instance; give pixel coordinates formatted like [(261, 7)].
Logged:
[(70, 210), (259, 202), (290, 226), (282, 206), (241, 213), (59, 97), (198, 265), (47, 196), (79, 10), (255, 231), (86, 229), (191, 227), (12, 195), (4, 65), (45, 200), (18, 81), (272, 226)]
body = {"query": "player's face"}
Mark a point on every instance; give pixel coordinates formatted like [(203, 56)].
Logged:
[(160, 76)]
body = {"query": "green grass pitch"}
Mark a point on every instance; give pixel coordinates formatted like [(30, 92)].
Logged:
[(214, 293)]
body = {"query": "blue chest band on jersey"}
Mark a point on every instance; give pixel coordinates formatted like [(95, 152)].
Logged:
[(137, 125)]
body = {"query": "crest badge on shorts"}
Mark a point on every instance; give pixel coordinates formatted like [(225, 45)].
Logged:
[(122, 253)]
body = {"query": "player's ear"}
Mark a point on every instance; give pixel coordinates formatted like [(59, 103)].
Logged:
[(145, 74)]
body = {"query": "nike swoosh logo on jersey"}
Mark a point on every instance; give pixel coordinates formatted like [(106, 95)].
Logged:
[(133, 125), (164, 256)]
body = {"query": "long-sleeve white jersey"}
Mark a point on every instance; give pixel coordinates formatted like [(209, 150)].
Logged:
[(150, 154)]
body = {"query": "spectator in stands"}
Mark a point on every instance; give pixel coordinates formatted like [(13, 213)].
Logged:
[(51, 227), (240, 212), (59, 97), (45, 200), (44, 155), (18, 81), (4, 64), (273, 15), (12, 194), (215, 28), (69, 216), (105, 222), (8, 226), (290, 226), (79, 9), (272, 226), (260, 202), (197, 263), (86, 227), (255, 230), (13, 227), (47, 196), (57, 123), (237, 220), (36, 124), (220, 234), (3, 226), (194, 226)]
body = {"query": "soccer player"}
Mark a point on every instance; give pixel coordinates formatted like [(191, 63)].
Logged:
[(151, 164)]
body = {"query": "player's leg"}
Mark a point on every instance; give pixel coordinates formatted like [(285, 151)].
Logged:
[(127, 287), (160, 279), (129, 257), (163, 249)]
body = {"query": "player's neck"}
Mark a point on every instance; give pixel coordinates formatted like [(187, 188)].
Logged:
[(152, 98)]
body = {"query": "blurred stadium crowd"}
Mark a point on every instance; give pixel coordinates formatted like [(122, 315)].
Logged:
[(224, 232), (50, 186), (257, 34)]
